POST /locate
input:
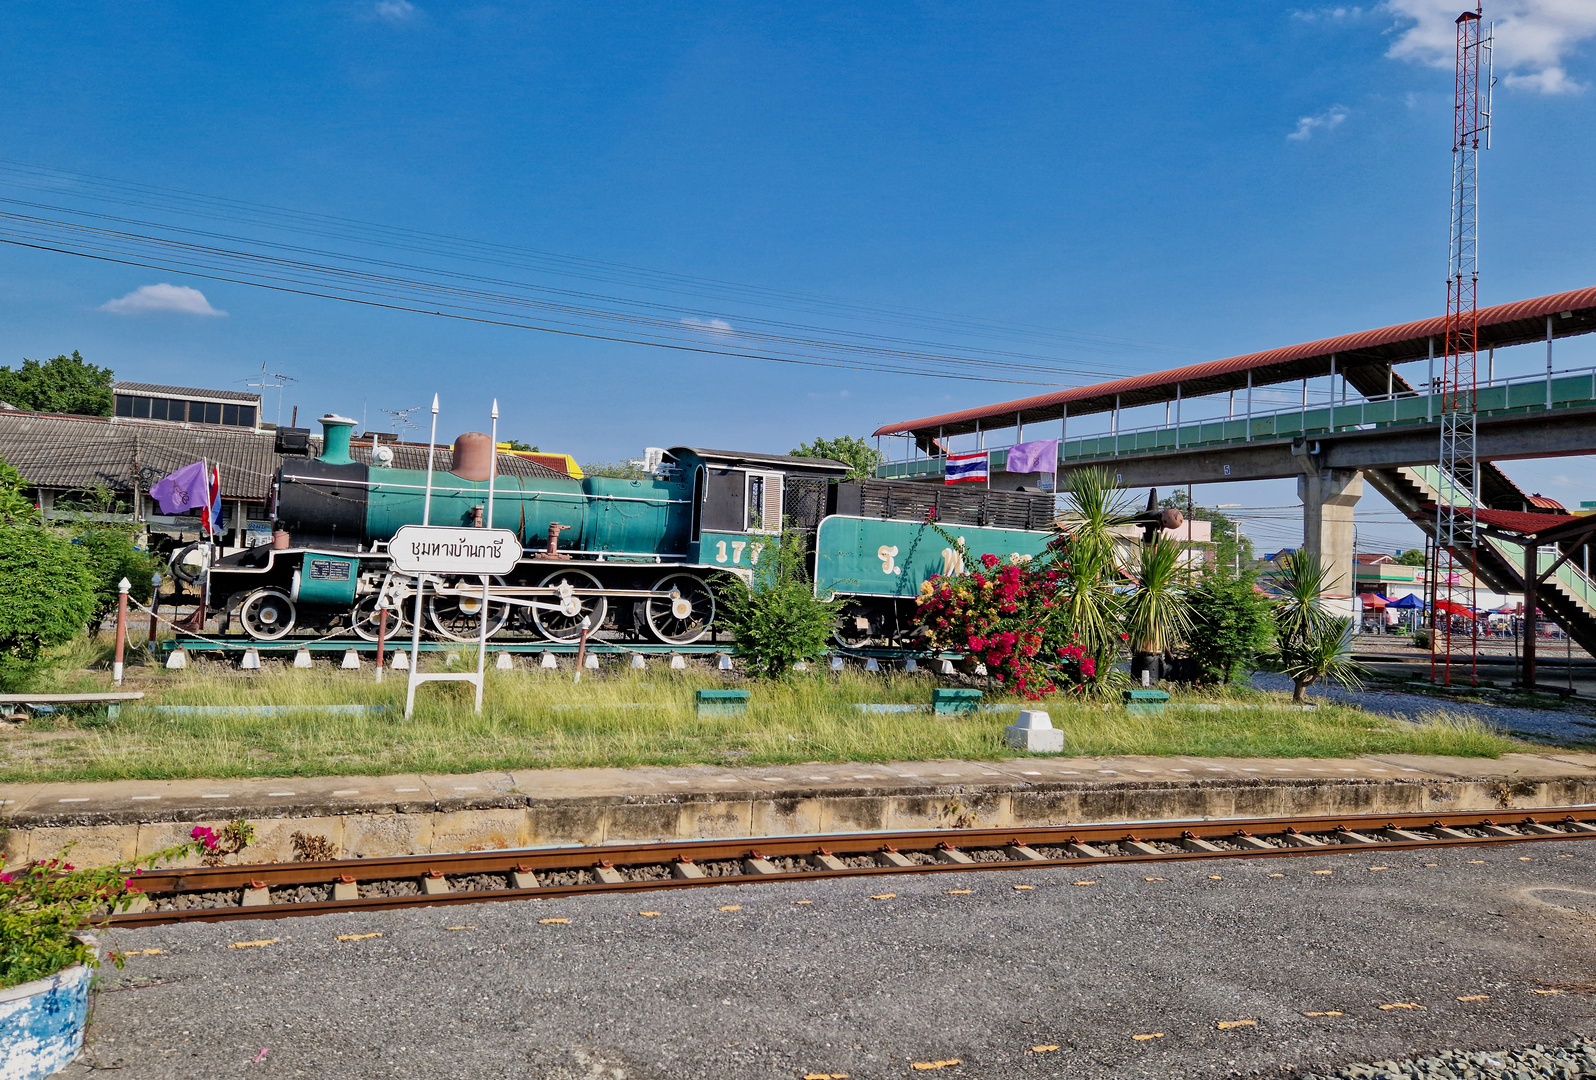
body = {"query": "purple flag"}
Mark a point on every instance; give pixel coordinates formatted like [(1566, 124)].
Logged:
[(1040, 456), (181, 491)]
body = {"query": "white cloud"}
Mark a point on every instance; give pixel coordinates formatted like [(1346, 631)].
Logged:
[(1330, 14), (152, 298), (1533, 37), (395, 10), (1328, 120), (708, 326)]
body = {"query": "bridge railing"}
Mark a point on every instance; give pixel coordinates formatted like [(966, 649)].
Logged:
[(1501, 397)]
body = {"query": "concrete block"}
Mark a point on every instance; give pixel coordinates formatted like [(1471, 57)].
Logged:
[(871, 665), (479, 830), (523, 879), (639, 662), (134, 904), (548, 663), (836, 663), (1144, 701), (257, 895), (591, 663), (980, 669), (1033, 730), (400, 661), (910, 666), (801, 666), (91, 845), (685, 870), (946, 702), (884, 857), (376, 836), (785, 817), (504, 662), (346, 889), (351, 660), (608, 874), (951, 855), (1024, 853), (725, 662), (947, 668), (721, 702), (678, 662), (250, 661), (712, 819), (176, 660), (302, 659), (827, 862), (433, 883), (756, 865)]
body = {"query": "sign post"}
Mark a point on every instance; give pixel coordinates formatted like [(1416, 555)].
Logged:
[(433, 552)]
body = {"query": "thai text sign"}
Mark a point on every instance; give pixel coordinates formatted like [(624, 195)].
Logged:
[(440, 549)]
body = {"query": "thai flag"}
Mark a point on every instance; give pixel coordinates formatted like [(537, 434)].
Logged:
[(211, 513), (960, 468)]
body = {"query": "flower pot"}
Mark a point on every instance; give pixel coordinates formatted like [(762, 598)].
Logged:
[(42, 1022)]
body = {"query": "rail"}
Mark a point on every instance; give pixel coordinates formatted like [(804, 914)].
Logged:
[(1501, 397), (314, 888)]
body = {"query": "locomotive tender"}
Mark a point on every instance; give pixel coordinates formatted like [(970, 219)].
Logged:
[(638, 559)]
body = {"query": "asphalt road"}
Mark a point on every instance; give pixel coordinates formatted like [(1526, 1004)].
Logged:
[(747, 981)]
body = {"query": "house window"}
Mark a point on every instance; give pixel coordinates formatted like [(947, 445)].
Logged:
[(158, 408), (764, 502)]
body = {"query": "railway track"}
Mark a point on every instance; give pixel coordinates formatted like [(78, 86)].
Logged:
[(278, 890)]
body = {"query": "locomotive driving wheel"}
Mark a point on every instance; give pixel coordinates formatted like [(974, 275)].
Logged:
[(685, 613), (565, 624), (266, 614), (459, 618), (363, 619)]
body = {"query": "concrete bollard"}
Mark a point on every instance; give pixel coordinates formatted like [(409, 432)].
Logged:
[(947, 667), (351, 660), (548, 663), (176, 660), (1034, 731), (725, 662), (591, 663), (250, 661), (871, 665), (400, 660), (678, 662), (638, 663), (836, 663), (504, 662), (302, 659), (980, 669), (910, 666)]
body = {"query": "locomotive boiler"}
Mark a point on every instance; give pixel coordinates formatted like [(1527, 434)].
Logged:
[(636, 559)]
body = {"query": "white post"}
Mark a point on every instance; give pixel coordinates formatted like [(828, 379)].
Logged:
[(1116, 423), (421, 587), (493, 475), (1490, 366), (1548, 361), (1063, 432), (1429, 385), (1249, 405), (1019, 427), (121, 628), (1177, 416)]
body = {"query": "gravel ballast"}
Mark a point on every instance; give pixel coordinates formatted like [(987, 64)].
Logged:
[(1570, 1062)]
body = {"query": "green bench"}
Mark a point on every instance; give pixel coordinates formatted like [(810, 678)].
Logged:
[(954, 702), (1145, 701), (721, 702)]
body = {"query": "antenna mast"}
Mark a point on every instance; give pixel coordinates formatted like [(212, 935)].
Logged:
[(1458, 479)]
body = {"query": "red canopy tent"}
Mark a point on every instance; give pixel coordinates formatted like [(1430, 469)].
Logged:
[(1372, 601), (1451, 607)]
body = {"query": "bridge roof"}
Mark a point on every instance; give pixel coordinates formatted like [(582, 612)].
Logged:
[(1505, 324)]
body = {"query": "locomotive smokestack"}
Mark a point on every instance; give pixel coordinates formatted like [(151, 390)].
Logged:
[(335, 440), (473, 456)]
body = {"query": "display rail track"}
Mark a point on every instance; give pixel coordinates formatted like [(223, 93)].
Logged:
[(237, 643), (530, 873)]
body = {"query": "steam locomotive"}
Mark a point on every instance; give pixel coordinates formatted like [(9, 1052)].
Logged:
[(633, 559)]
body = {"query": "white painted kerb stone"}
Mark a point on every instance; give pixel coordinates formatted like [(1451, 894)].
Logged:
[(1034, 730)]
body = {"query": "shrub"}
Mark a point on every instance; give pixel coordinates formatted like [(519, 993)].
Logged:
[(46, 597), (1230, 626), (1000, 613), (111, 557), (776, 618), (1312, 644)]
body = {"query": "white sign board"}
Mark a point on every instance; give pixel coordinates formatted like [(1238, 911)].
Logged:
[(440, 549)]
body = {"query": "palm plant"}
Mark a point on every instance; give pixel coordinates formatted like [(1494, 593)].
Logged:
[(1314, 645), (1092, 608), (1158, 614)]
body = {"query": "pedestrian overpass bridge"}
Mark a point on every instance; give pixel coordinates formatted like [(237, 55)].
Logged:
[(1376, 426)]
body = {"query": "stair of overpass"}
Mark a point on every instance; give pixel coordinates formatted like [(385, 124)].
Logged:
[(1569, 595)]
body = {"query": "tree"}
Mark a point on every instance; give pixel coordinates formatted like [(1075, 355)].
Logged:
[(860, 457), (64, 384), (1313, 645), (1230, 626), (776, 618), (620, 470), (1228, 540), (112, 556), (46, 597), (1411, 557), (15, 507), (517, 444), (1157, 613)]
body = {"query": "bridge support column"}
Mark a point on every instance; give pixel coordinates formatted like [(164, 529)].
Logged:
[(1329, 497)]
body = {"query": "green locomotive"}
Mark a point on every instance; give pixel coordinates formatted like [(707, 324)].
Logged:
[(635, 559)]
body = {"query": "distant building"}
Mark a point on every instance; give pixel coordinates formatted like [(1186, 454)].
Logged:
[(186, 405)]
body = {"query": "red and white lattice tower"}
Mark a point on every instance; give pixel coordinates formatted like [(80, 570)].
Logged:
[(1456, 525)]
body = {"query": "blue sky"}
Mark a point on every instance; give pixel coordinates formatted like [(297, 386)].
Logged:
[(1149, 184)]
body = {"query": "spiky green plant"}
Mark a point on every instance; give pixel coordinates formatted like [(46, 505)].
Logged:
[(1313, 644), (1158, 613), (1093, 609)]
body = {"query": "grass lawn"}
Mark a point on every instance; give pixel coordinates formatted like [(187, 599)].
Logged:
[(533, 719)]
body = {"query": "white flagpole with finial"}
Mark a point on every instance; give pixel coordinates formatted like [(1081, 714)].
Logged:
[(493, 475), (426, 519)]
